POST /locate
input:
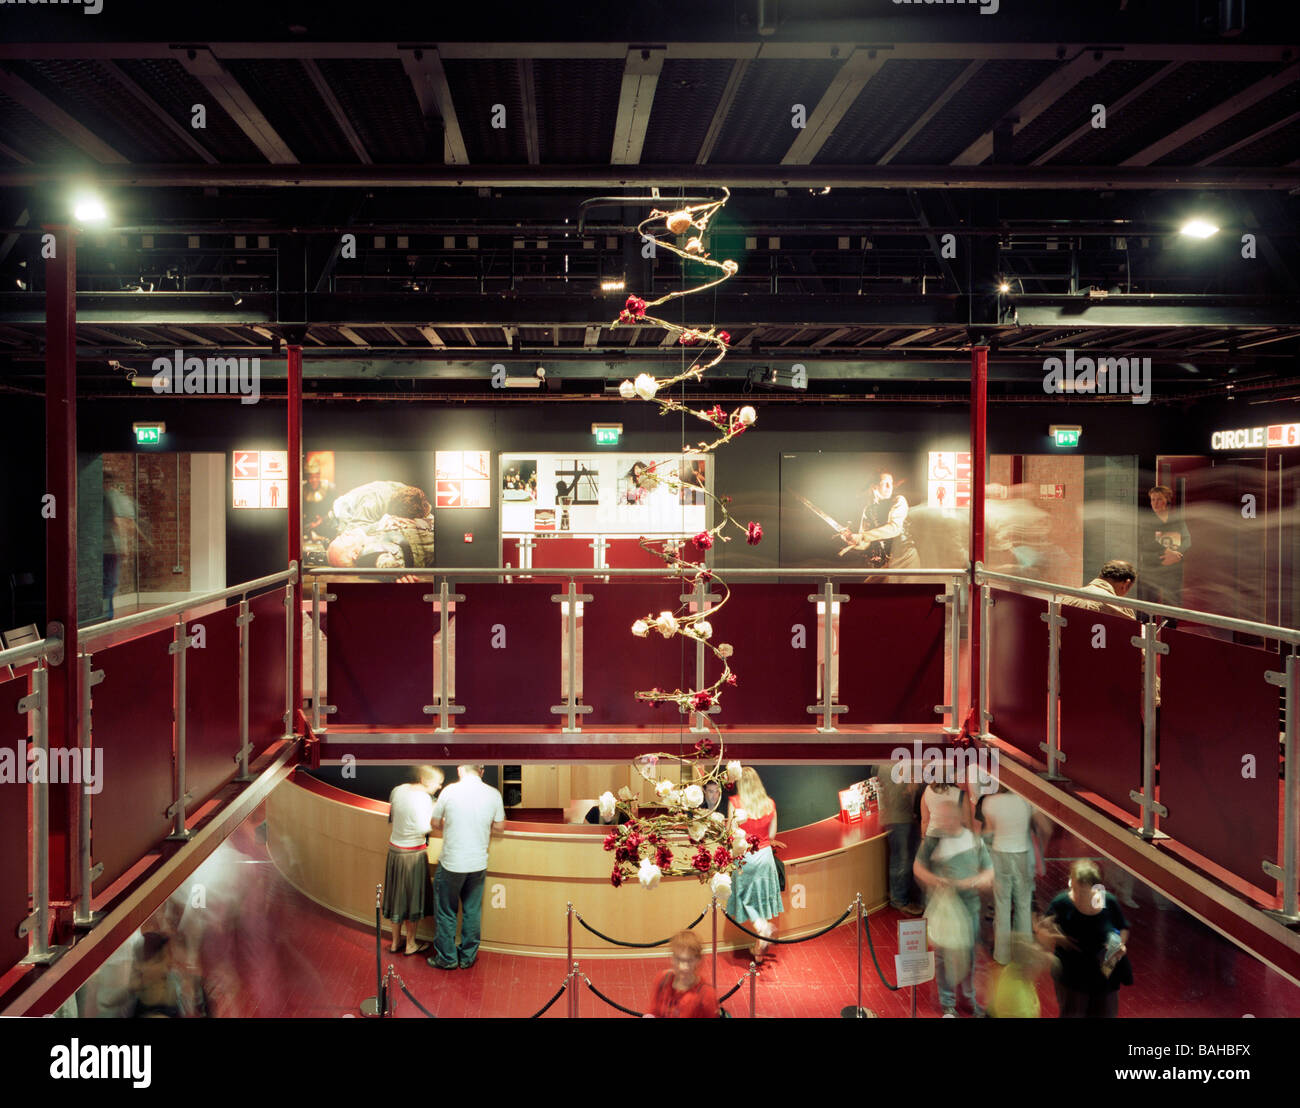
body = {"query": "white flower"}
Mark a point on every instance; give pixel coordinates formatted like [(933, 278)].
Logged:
[(717, 817), (640, 628), (740, 815), (646, 766), (663, 788), (608, 805), (720, 885), (747, 415), (692, 796), (739, 841), (696, 830), (646, 386), (648, 874), (703, 628), (627, 390), (667, 624), (725, 650), (674, 798), (734, 771), (730, 267)]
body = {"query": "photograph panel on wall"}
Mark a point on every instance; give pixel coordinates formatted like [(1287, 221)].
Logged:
[(874, 510)]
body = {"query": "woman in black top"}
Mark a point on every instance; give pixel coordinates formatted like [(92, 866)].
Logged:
[(1077, 926)]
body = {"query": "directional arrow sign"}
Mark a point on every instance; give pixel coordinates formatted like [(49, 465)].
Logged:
[(246, 463), (447, 494)]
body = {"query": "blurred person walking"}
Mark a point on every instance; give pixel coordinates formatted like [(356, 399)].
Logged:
[(1086, 929), (897, 807), (1009, 817)]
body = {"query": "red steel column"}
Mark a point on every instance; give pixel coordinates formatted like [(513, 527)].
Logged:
[(64, 702), (979, 389), (295, 519)]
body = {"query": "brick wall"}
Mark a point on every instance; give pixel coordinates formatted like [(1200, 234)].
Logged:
[(162, 519)]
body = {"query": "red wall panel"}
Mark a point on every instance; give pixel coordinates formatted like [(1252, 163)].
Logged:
[(775, 680), (14, 800), (380, 656), (517, 681), (131, 722), (891, 653), (1018, 671), (212, 706), (266, 672), (1204, 736)]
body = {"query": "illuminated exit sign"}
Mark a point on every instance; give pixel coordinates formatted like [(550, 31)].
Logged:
[(148, 434), (1066, 436), (607, 434)]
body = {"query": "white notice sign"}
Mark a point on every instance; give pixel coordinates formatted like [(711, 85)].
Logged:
[(914, 969)]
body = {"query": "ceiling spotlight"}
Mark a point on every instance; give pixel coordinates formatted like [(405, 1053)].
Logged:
[(22, 285), (1004, 286), (1198, 229), (612, 285), (541, 373), (89, 209), (236, 298)]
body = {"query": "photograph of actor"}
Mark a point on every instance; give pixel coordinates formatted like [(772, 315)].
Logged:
[(1115, 580), (384, 524), (883, 533), (317, 496), (408, 894), (1164, 541), (467, 814)]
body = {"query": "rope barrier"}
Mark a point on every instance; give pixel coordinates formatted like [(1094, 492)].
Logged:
[(872, 947), (543, 1009), (732, 991), (611, 1003), (790, 942), (402, 985), (640, 946)]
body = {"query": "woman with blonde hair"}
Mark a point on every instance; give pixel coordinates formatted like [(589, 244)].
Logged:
[(756, 887)]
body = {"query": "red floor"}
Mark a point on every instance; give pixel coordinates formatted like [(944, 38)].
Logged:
[(267, 951)]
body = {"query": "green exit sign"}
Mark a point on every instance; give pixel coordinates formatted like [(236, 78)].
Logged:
[(607, 434), (149, 434), (1066, 436)]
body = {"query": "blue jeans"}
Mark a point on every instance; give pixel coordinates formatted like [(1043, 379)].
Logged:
[(904, 838), (452, 890), (1013, 893)]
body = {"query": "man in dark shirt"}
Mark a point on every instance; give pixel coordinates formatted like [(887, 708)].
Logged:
[(1163, 543)]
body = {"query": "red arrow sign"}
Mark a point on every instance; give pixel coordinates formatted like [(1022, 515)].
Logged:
[(246, 463), (446, 494)]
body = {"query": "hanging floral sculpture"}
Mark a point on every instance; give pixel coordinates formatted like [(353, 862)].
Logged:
[(687, 838)]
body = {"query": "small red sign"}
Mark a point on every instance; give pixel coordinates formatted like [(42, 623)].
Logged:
[(446, 494), (246, 463)]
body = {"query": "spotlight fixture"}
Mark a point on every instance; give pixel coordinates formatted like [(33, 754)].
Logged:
[(1004, 286), (1198, 229), (88, 208), (612, 285)]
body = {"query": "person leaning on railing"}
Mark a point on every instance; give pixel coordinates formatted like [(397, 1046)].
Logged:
[(1115, 580)]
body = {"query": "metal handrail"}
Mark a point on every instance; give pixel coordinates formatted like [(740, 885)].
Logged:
[(140, 619), (28, 652), (1226, 623), (592, 571)]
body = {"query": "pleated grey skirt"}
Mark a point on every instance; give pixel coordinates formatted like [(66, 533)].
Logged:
[(408, 891)]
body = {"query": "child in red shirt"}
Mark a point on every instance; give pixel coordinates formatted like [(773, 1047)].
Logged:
[(679, 993)]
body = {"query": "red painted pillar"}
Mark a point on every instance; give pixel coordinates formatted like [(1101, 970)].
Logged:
[(63, 710), (979, 389), (295, 519)]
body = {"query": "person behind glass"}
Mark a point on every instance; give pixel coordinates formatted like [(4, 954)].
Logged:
[(1164, 541), (467, 813), (953, 858), (1089, 934), (897, 798), (680, 993), (1009, 816), (408, 894), (756, 887)]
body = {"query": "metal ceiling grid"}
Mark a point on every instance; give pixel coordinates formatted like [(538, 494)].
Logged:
[(176, 91), (24, 133), (885, 108), (758, 127), (284, 93), (1274, 149), (475, 87), (93, 97), (686, 99), (1284, 102), (1186, 93), (534, 335), (994, 90), (380, 103), (577, 108), (1075, 108)]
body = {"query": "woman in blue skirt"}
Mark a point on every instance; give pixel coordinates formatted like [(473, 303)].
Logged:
[(756, 889)]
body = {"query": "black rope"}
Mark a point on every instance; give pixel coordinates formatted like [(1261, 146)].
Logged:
[(732, 991), (643, 946), (791, 942), (611, 1003), (402, 985), (872, 947), (558, 993)]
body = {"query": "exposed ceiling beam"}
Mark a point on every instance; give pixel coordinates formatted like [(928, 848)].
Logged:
[(1249, 140), (58, 120), (1112, 110), (11, 240), (1220, 113), (834, 336), (1001, 177), (528, 93), (849, 81), (935, 107), (425, 71), (13, 155), (635, 99), (336, 111), (221, 85), (432, 336), (190, 336), (720, 113), (1037, 101), (352, 336), (591, 334), (183, 134)]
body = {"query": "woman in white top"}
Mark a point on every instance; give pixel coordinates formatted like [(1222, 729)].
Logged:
[(1009, 816), (936, 796), (408, 891)]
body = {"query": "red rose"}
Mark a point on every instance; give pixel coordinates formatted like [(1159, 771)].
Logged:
[(717, 415), (636, 306), (626, 317), (621, 855), (616, 878), (633, 844), (611, 840), (722, 857), (754, 534), (737, 428), (663, 858), (731, 678), (703, 540), (700, 701), (704, 747), (724, 336), (702, 861), (689, 338)]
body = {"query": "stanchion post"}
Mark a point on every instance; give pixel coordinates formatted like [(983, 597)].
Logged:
[(374, 1005), (577, 976), (568, 909), (713, 904), (1146, 642), (857, 914), (753, 990)]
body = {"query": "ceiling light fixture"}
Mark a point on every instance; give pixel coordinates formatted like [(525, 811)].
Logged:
[(1198, 229), (88, 208), (612, 285)]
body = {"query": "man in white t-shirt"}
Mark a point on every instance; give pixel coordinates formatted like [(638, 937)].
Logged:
[(1008, 816), (468, 813)]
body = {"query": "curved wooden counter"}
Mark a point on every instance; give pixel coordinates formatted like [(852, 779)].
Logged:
[(331, 845)]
